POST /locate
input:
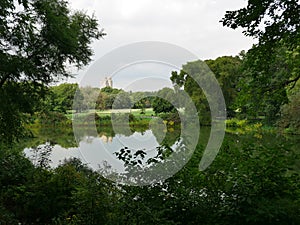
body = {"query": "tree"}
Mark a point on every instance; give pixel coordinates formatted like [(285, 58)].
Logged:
[(227, 70), (79, 105), (162, 103), (272, 65), (107, 96), (101, 101), (184, 79), (38, 40), (290, 112), (18, 100), (90, 95), (110, 90), (122, 101), (269, 21), (141, 104), (64, 96)]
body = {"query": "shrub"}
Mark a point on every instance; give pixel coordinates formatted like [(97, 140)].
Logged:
[(236, 123), (51, 118), (174, 117)]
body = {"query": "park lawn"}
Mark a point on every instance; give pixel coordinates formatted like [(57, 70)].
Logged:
[(136, 112)]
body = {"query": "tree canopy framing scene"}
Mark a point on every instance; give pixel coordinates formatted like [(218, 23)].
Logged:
[(104, 153)]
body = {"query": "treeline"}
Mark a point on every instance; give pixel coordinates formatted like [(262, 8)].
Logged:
[(60, 98), (248, 94), (67, 96), (245, 97), (271, 98)]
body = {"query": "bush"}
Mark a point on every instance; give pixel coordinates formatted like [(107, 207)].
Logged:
[(236, 123), (51, 118), (173, 116)]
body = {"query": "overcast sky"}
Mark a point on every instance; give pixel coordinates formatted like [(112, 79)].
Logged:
[(191, 24)]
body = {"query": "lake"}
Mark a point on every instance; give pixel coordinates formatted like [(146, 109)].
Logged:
[(96, 150), (116, 153)]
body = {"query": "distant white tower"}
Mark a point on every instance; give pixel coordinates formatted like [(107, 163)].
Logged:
[(108, 82)]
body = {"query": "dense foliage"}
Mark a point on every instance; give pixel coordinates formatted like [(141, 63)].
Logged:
[(290, 119), (162, 103), (249, 183), (38, 39), (226, 69), (271, 66)]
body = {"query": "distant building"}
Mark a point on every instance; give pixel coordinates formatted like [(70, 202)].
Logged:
[(108, 82)]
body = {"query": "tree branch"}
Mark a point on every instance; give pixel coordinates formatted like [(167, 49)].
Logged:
[(294, 81)]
